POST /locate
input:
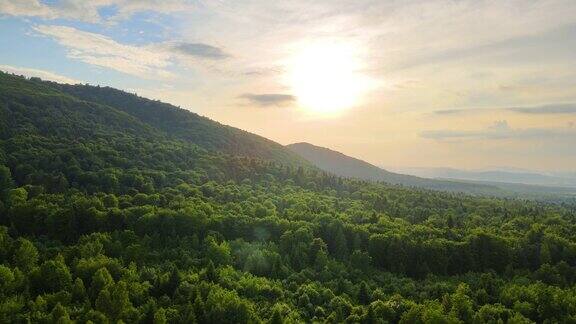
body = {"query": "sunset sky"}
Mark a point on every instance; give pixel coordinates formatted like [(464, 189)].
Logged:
[(398, 83)]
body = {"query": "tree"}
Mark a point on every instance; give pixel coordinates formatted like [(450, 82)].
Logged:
[(53, 276), (218, 253), (363, 294), (103, 302), (78, 290), (6, 279), (16, 197), (174, 281), (276, 317), (5, 243), (360, 260), (461, 305), (100, 280), (200, 310), (160, 316), (26, 254), (189, 315), (6, 181), (113, 300), (340, 244), (210, 272), (60, 315)]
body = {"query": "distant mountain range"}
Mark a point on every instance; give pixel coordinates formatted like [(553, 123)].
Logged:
[(497, 175), (349, 167), (494, 183)]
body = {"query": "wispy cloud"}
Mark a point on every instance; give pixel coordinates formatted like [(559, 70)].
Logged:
[(500, 130), (103, 51), (45, 75), (27, 8), (200, 50), (89, 11), (548, 109), (150, 61), (269, 99), (569, 108)]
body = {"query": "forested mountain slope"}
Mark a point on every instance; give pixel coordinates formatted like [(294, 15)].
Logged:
[(105, 218), (346, 166), (178, 123)]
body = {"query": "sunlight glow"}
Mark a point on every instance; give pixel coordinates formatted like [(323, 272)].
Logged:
[(326, 78)]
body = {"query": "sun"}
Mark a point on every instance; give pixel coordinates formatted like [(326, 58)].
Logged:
[(325, 76)]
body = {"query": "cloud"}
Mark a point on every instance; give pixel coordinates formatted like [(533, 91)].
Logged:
[(89, 11), (45, 75), (500, 130), (548, 109), (459, 111), (26, 8), (148, 61), (500, 126), (569, 108), (200, 50), (96, 49), (269, 99)]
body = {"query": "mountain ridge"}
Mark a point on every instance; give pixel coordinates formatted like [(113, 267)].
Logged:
[(346, 166), (173, 121), (527, 177)]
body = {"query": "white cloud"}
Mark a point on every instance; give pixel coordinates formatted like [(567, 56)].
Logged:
[(129, 7), (150, 61), (96, 49), (44, 75), (88, 10), (26, 8)]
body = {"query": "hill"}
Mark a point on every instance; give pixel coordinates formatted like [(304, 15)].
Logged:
[(172, 121), (528, 177), (107, 217), (346, 166)]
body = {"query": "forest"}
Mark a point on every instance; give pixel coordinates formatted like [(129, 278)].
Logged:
[(119, 209)]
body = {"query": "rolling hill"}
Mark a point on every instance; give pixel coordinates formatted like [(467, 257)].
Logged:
[(169, 120), (349, 167), (496, 175), (346, 166)]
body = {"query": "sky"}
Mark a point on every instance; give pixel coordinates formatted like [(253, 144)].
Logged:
[(402, 83)]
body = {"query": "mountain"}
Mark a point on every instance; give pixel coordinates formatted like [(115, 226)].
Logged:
[(346, 166), (498, 175), (162, 117), (484, 183)]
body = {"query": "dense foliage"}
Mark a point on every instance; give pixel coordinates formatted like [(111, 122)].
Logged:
[(106, 217)]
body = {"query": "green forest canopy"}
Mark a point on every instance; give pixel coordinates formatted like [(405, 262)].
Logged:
[(108, 213)]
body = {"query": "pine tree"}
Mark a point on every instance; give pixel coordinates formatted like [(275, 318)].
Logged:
[(200, 310), (78, 290), (60, 315), (100, 280), (276, 317), (26, 255), (160, 316), (173, 282), (190, 314), (211, 273), (364, 294), (340, 244)]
